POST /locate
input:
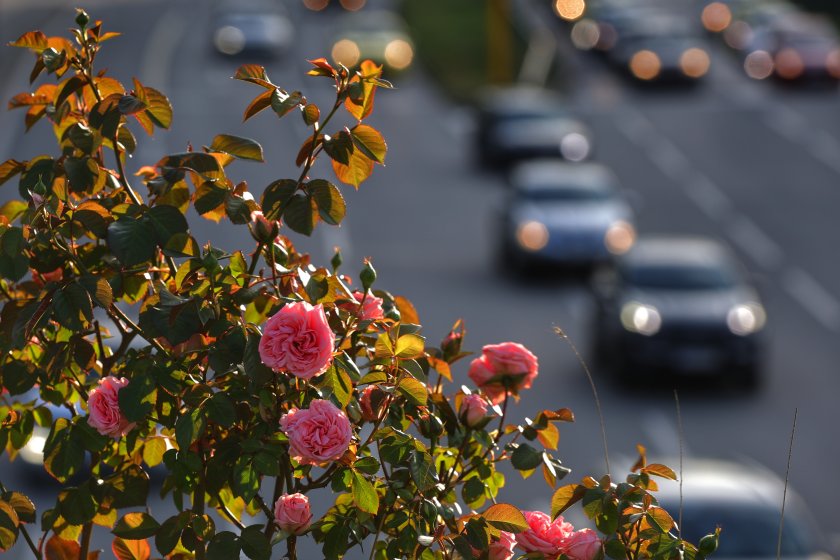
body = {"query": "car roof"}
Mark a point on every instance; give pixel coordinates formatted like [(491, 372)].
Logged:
[(552, 173), (677, 251), (516, 99)]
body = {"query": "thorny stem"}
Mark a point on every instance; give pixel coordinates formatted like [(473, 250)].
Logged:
[(87, 531), (255, 259), (291, 544)]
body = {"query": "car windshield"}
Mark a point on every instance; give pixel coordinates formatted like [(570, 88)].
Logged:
[(566, 194), (747, 532), (679, 277)]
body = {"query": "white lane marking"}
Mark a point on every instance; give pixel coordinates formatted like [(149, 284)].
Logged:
[(755, 243), (662, 435), (787, 123), (816, 300), (708, 197), (824, 147), (635, 127)]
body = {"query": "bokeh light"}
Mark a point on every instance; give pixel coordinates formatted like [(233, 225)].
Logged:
[(399, 54), (346, 52), (619, 238), (738, 35), (353, 5), (832, 63), (532, 236), (789, 64), (645, 65), (585, 34), (695, 63), (716, 17), (569, 10), (316, 5), (759, 65)]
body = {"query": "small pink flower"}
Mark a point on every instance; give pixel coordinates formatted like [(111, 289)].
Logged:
[(549, 538), (502, 549), (292, 514), (371, 309), (583, 545), (104, 408), (318, 434), (473, 410), (371, 401), (298, 340), (506, 366)]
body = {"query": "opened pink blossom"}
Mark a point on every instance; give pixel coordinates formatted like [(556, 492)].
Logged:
[(298, 340), (292, 513), (318, 434), (508, 366), (502, 549), (104, 408), (583, 545), (371, 307), (549, 538)]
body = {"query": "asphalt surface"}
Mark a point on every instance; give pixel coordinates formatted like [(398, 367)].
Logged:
[(751, 163)]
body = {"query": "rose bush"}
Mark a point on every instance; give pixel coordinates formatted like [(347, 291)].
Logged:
[(255, 378)]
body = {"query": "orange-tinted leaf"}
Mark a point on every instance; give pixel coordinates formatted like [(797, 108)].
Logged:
[(311, 114), (660, 470), (131, 550), (61, 549), (27, 99), (68, 88), (109, 35), (237, 146), (34, 114), (360, 108), (370, 142), (255, 74), (560, 415), (159, 109), (565, 497), (641, 462), (408, 313), (506, 517), (441, 367), (661, 518), (356, 171), (106, 86), (260, 102), (9, 169), (306, 150), (322, 68), (33, 40), (549, 437)]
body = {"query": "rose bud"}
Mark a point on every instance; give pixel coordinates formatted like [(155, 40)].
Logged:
[(473, 411), (429, 425), (292, 513), (371, 402), (262, 229)]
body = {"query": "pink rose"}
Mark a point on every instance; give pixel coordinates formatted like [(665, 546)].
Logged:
[(473, 410), (545, 536), (371, 309), (317, 434), (297, 339), (583, 545), (502, 549), (292, 514), (508, 366), (104, 408), (371, 401)]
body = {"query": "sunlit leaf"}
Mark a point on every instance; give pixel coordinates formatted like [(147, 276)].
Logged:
[(131, 549), (260, 102), (328, 199), (364, 494), (10, 168), (362, 106), (415, 390), (282, 102), (356, 172), (61, 549), (660, 470), (136, 525), (255, 74), (370, 142), (33, 40), (408, 313), (243, 148), (506, 517), (565, 497), (322, 68)]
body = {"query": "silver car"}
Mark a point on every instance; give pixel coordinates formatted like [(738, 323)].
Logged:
[(565, 214)]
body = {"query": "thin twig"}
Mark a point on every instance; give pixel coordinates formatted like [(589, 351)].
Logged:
[(681, 438), (229, 514), (562, 334), (787, 477)]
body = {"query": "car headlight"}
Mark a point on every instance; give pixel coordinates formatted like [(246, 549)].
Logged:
[(399, 54), (640, 318), (645, 65), (619, 237), (695, 62), (346, 52), (789, 64), (532, 236), (574, 147), (746, 319), (229, 40)]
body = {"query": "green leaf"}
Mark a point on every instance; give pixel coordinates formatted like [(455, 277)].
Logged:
[(422, 469), (340, 384), (370, 142), (414, 390), (170, 532), (158, 107), (223, 546), (63, 457), (282, 102), (22, 506), (565, 497), (77, 505), (138, 397), (72, 306), (254, 543), (220, 409), (298, 214), (246, 479), (237, 146), (189, 428), (82, 173), (364, 494), (9, 169), (328, 199), (136, 525), (238, 209), (209, 197), (182, 245), (339, 147), (131, 240), (9, 523), (525, 458), (276, 196), (409, 346), (506, 517), (166, 222), (129, 104), (129, 487), (367, 465)]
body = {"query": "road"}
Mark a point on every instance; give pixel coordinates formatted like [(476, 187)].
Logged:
[(753, 164)]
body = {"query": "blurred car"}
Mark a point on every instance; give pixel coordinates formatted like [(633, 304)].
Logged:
[(251, 28), (745, 500), (520, 123), (377, 35), (681, 305), (564, 213), (798, 48), (661, 48)]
